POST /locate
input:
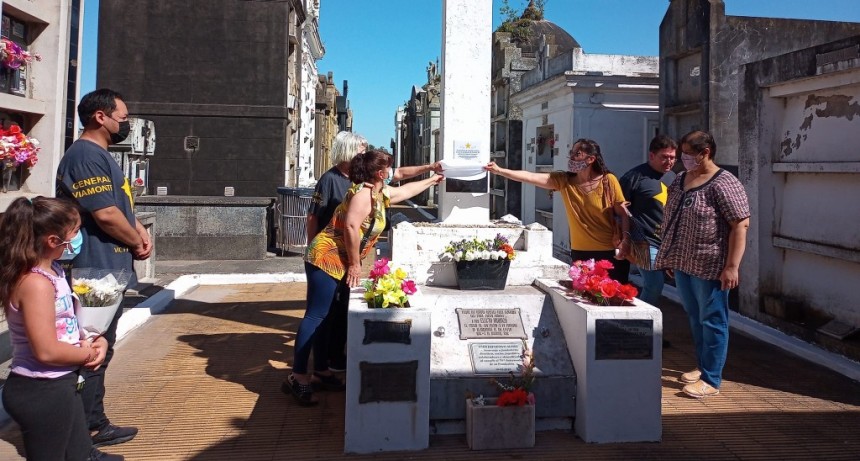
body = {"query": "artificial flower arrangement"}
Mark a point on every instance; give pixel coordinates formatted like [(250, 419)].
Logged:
[(99, 293), (476, 249), (517, 391), (16, 148), (388, 287), (590, 280), (13, 56)]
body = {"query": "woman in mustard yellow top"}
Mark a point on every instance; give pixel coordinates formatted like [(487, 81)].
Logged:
[(592, 197), (335, 255)]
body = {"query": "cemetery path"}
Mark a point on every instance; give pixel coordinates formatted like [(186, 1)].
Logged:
[(202, 382)]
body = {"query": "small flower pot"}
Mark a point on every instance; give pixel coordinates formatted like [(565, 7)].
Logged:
[(483, 274), (490, 427)]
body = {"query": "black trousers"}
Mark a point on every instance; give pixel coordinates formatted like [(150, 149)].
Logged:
[(620, 272), (51, 416), (93, 393), (338, 324)]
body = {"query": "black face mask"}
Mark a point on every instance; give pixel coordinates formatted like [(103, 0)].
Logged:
[(119, 136)]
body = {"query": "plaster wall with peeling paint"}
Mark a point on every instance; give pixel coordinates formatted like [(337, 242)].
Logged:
[(799, 132), (701, 50)]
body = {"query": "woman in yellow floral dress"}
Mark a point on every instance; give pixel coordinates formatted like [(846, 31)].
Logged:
[(335, 254)]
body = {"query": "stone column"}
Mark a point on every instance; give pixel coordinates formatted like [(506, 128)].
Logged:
[(466, 80)]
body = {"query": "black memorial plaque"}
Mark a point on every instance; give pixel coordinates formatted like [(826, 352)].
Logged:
[(388, 382), (376, 331), (483, 323), (623, 339)]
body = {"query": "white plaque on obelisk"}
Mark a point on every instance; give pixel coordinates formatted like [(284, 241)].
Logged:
[(466, 82)]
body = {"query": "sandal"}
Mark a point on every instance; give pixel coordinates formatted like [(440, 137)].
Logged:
[(327, 382), (303, 393)]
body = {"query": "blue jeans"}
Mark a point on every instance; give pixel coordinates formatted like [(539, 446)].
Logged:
[(707, 308), (652, 282), (313, 331)]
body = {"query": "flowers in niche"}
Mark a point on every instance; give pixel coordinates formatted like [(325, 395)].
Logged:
[(590, 280), (497, 248), (13, 56), (16, 148), (388, 287)]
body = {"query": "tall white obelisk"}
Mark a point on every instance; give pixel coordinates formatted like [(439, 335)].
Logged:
[(465, 128)]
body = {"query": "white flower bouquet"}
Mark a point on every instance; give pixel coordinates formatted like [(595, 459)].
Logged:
[(99, 292)]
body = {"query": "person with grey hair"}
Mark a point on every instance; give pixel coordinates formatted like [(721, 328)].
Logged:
[(333, 184), (328, 194)]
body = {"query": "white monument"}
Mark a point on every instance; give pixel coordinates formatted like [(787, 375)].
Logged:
[(466, 83)]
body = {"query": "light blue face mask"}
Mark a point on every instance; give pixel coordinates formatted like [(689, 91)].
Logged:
[(72, 247), (387, 180)]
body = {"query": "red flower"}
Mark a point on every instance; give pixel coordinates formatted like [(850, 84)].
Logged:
[(609, 288), (628, 292), (602, 267), (516, 397)]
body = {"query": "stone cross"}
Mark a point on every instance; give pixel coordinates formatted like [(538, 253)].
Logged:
[(465, 125)]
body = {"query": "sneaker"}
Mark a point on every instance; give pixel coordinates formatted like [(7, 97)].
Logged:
[(691, 377), (700, 390), (112, 435), (97, 455)]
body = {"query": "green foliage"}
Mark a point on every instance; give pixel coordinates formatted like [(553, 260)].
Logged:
[(519, 25)]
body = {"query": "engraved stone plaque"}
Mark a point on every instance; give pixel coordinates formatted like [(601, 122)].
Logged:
[(388, 382), (387, 332), (497, 358), (623, 339), (491, 323)]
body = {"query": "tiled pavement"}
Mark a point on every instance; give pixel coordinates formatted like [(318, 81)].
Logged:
[(202, 383)]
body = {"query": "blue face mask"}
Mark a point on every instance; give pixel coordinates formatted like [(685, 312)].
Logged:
[(72, 247), (387, 180)]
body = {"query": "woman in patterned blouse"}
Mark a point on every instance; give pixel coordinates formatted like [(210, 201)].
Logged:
[(704, 236), (335, 254)]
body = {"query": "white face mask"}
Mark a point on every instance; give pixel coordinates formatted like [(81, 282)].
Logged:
[(690, 162)]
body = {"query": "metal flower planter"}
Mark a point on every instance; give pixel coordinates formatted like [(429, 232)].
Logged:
[(484, 274)]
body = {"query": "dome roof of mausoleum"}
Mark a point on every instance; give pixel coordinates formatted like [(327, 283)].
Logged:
[(531, 26)]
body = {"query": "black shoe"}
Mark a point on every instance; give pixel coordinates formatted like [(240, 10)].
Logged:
[(666, 344), (96, 455), (337, 365), (327, 383), (112, 435)]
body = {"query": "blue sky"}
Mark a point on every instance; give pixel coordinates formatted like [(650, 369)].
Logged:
[(382, 46)]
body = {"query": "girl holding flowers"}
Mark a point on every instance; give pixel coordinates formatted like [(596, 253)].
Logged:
[(47, 346)]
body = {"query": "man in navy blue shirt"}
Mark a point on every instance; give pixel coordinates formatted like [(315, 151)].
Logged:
[(645, 188), (113, 237)]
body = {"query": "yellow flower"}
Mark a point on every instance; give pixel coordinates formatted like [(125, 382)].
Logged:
[(81, 289), (400, 274), (390, 298)]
